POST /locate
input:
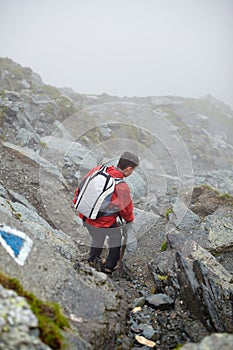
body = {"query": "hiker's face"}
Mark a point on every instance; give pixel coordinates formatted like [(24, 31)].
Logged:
[(128, 171)]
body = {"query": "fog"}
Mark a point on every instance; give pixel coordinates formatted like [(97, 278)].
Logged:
[(124, 47)]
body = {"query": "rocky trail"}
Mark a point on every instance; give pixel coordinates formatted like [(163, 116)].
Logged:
[(161, 326)]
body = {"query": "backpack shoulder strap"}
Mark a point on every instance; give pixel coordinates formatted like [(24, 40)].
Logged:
[(118, 180)]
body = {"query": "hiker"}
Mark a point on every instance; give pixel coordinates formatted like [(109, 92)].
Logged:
[(106, 224)]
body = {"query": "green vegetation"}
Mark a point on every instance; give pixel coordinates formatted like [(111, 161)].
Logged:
[(224, 198), (44, 144), (5, 109), (50, 319), (162, 277), (17, 215), (52, 91), (48, 108), (15, 75), (227, 197), (163, 246), (205, 200), (167, 212), (66, 106), (2, 93), (208, 187), (178, 346), (153, 289), (13, 211)]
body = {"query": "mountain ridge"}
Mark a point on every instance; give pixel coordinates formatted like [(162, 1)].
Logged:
[(50, 137)]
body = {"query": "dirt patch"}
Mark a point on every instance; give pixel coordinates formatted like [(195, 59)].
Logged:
[(206, 200), (22, 178)]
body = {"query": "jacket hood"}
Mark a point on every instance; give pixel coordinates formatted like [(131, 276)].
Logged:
[(114, 172)]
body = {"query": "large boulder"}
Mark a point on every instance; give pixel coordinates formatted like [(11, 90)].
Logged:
[(94, 306), (202, 282), (95, 309)]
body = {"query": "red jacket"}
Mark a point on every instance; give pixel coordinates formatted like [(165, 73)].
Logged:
[(121, 198)]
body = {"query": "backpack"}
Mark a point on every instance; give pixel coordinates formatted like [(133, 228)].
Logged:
[(95, 193)]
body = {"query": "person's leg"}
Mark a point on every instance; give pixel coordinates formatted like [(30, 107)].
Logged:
[(97, 242), (114, 235)]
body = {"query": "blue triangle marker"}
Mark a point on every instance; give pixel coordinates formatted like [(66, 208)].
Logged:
[(16, 243)]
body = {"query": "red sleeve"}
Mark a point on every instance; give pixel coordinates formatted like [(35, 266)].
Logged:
[(122, 199)]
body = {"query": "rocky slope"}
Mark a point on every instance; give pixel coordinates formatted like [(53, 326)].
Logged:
[(49, 138)]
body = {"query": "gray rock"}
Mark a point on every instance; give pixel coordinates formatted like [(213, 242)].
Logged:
[(26, 138), (36, 79), (179, 242), (205, 286), (147, 330), (138, 302), (205, 298), (72, 152), (183, 218), (21, 199), (216, 341), (33, 158), (105, 131), (3, 191), (136, 229), (219, 233), (16, 215), (95, 309), (160, 301), (18, 325)]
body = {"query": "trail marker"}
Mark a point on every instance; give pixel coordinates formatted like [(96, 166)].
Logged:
[(16, 243)]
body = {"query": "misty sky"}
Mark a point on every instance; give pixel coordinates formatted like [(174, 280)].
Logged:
[(124, 47)]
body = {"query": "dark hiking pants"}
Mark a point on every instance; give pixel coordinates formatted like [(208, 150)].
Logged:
[(98, 236)]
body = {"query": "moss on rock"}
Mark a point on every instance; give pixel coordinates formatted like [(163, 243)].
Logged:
[(50, 319)]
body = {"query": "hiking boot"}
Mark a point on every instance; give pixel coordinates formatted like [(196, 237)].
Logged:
[(103, 261), (91, 263), (106, 270), (98, 264)]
